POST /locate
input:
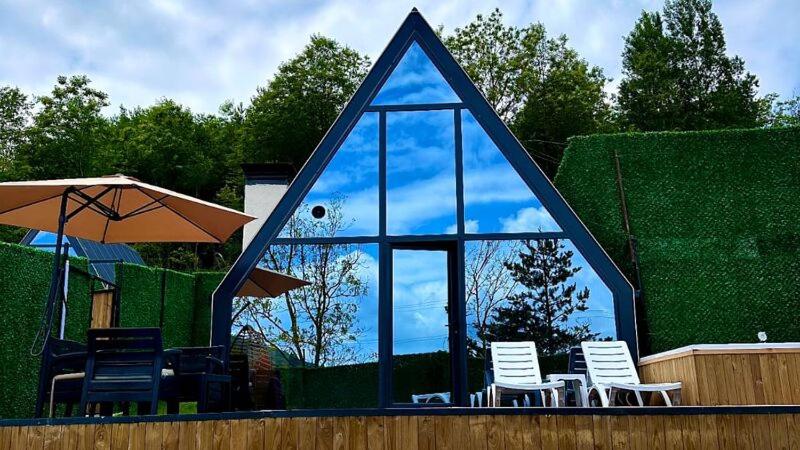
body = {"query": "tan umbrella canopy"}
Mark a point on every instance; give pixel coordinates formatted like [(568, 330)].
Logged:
[(268, 283), (116, 209)]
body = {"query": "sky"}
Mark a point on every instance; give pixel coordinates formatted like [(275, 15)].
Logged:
[(204, 53)]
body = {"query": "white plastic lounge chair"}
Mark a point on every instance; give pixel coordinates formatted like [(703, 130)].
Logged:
[(516, 371), (611, 369)]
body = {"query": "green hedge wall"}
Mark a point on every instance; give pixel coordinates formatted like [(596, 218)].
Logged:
[(204, 285), (356, 385), (716, 216), (187, 302), (24, 285)]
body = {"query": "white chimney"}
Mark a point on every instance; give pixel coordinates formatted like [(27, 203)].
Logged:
[(264, 186)]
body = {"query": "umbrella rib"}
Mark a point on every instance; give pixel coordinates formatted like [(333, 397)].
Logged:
[(143, 209), (108, 218), (32, 203), (181, 215)]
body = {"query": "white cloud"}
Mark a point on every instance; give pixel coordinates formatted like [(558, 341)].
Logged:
[(201, 54), (529, 219)]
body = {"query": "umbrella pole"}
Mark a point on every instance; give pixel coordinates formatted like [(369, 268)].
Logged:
[(47, 318)]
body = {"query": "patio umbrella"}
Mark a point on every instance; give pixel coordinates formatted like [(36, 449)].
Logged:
[(268, 283), (116, 209)]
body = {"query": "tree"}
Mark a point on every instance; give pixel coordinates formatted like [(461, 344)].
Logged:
[(316, 323), (488, 285), (541, 311), (677, 75), (538, 85), (15, 112), (289, 117), (68, 133), (786, 113)]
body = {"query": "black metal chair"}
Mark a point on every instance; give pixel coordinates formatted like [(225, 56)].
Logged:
[(61, 358), (123, 365), (200, 374)]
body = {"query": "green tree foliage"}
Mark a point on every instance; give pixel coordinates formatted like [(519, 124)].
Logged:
[(15, 112), (67, 137), (677, 75), (786, 113), (289, 116), (541, 311), (538, 85)]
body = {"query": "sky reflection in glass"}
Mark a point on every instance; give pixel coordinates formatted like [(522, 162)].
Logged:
[(420, 173), (496, 199), (415, 80), (350, 181)]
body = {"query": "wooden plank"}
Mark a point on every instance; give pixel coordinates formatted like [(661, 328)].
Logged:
[(102, 436), (745, 431), (273, 434), (324, 437), (566, 432), (119, 436), (673, 432), (170, 433), (531, 431), (426, 432), (307, 427), (5, 438), (726, 437), (549, 427), (639, 437), (239, 432), (152, 439), (255, 434), (443, 432), (584, 432), (35, 438), (512, 432), (602, 432), (19, 438), (357, 433), (655, 429), (204, 437), (70, 441), (778, 430), (375, 433), (620, 432), (340, 433), (793, 430), (494, 434), (52, 437), (187, 432), (390, 426)]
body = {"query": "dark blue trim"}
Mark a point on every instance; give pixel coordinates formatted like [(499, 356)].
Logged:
[(403, 412), (414, 107), (414, 28)]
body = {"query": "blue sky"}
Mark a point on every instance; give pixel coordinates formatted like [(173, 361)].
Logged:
[(203, 53)]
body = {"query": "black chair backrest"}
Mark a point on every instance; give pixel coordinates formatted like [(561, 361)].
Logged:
[(577, 362), (123, 364), (196, 359)]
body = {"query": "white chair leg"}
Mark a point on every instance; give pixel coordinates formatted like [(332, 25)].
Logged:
[(667, 400), (639, 398), (554, 398), (604, 401), (526, 401)]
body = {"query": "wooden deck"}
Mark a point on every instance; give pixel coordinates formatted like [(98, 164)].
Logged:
[(730, 374), (648, 428)]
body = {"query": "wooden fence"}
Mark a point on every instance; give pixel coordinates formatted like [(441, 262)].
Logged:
[(458, 432), (717, 375)]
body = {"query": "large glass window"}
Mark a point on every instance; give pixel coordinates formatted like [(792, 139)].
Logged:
[(344, 199), (496, 199), (415, 80), (315, 337), (420, 173), (532, 290)]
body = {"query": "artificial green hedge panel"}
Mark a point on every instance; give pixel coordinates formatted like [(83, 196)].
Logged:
[(24, 285), (187, 302), (178, 309), (716, 216), (204, 285), (139, 295)]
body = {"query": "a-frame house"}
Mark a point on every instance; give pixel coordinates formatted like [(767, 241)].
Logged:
[(434, 169)]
